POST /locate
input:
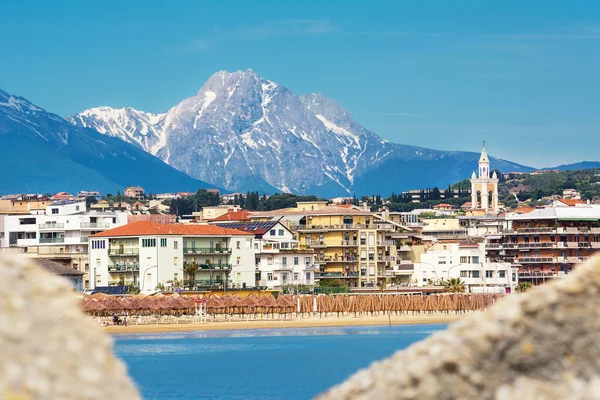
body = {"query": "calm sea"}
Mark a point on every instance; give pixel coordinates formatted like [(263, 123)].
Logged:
[(257, 364)]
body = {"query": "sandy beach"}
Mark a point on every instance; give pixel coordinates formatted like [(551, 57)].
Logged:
[(306, 322)]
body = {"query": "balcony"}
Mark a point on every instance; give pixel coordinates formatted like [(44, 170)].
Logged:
[(529, 260), (52, 240), (212, 267), (94, 225), (537, 274), (206, 250), (52, 226), (341, 227), (535, 245), (123, 252), (84, 239), (338, 275), (123, 268), (385, 243), (336, 259), (544, 229), (349, 243)]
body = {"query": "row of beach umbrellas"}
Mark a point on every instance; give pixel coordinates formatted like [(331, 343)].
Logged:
[(101, 304)]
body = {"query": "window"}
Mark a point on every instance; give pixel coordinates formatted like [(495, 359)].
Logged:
[(175, 244), (98, 244), (270, 260), (371, 255), (163, 242), (248, 243), (296, 276), (255, 245), (272, 232), (148, 242), (284, 260), (474, 274), (238, 260), (308, 277), (514, 277), (307, 261), (175, 261), (371, 270), (464, 274), (363, 255), (269, 276), (237, 244), (31, 221), (442, 262), (464, 260), (280, 232), (295, 260), (475, 260), (55, 211), (371, 239), (501, 274), (76, 208), (87, 267), (489, 274)]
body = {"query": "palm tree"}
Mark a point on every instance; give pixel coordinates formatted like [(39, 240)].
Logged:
[(191, 269), (523, 286), (454, 285)]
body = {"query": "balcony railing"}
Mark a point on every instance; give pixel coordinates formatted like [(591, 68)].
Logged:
[(95, 225), (84, 239), (535, 260), (537, 274), (206, 250), (124, 252), (543, 229), (52, 240), (212, 267), (341, 226), (123, 267), (337, 275), (52, 226)]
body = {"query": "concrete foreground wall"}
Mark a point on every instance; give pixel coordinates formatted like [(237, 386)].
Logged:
[(544, 344), (48, 348)]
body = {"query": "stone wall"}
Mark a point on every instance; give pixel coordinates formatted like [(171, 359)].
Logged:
[(544, 344), (48, 348)]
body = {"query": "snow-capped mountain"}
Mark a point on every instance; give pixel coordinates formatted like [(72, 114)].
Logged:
[(41, 152), (243, 132)]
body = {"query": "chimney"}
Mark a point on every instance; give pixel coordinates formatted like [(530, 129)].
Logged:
[(365, 207)]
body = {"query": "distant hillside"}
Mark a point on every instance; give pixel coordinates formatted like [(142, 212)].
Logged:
[(578, 166), (535, 187)]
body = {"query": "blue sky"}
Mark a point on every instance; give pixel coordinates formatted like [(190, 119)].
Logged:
[(522, 75)]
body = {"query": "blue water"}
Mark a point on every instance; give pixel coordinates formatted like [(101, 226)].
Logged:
[(257, 364)]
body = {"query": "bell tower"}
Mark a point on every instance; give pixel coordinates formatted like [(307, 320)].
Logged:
[(484, 188)]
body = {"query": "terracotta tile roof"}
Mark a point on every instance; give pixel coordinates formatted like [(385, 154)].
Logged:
[(241, 215), (467, 204), (571, 202), (151, 228), (445, 205)]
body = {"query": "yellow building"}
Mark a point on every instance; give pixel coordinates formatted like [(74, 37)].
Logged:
[(350, 244)]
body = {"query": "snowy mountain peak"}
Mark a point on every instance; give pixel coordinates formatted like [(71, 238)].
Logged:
[(243, 132)]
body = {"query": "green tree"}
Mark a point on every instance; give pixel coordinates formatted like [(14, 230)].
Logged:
[(191, 269), (454, 285), (523, 286)]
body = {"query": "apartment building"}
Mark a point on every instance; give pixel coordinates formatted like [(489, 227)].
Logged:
[(465, 260), (134, 191), (547, 243), (146, 254), (61, 233), (23, 204), (350, 244), (280, 260)]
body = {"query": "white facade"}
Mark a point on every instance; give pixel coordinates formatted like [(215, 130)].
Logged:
[(147, 261), (282, 267), (465, 261), (65, 224)]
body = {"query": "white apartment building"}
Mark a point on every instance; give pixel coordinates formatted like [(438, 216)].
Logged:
[(60, 233), (146, 254), (279, 259), (467, 261)]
